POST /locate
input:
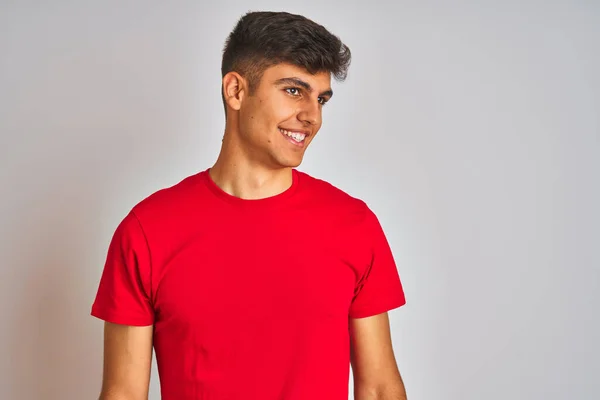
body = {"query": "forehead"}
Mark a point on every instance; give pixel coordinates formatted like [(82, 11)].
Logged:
[(320, 81)]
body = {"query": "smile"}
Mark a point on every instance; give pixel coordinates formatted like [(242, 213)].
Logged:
[(296, 137)]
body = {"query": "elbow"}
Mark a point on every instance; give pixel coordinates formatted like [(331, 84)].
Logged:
[(393, 390), (115, 394)]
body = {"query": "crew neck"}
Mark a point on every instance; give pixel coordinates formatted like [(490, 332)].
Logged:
[(251, 203)]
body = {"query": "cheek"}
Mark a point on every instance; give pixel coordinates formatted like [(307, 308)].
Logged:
[(263, 115), (282, 111), (252, 117)]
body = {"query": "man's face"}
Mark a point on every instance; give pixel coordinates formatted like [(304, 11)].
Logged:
[(283, 115)]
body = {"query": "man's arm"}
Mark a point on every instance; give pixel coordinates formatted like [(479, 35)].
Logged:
[(127, 362), (375, 372)]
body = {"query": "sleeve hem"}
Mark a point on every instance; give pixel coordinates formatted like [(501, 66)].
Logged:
[(376, 309), (121, 319)]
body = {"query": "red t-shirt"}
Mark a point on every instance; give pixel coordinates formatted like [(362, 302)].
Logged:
[(250, 299)]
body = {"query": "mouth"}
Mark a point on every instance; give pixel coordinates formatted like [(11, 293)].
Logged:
[(294, 137)]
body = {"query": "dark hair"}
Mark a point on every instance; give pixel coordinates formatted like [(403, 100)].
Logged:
[(263, 39)]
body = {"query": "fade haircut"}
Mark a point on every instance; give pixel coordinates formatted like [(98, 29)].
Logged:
[(264, 39)]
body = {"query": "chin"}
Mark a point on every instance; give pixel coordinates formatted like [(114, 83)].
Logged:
[(289, 163)]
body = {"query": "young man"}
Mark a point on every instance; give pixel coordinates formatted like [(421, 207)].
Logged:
[(251, 279)]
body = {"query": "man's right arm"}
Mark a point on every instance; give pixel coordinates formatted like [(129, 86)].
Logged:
[(127, 362)]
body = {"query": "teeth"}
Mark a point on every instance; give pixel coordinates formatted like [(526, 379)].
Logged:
[(299, 137)]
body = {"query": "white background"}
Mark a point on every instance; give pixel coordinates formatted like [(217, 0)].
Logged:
[(472, 129)]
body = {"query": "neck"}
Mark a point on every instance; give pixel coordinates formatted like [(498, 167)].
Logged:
[(240, 176)]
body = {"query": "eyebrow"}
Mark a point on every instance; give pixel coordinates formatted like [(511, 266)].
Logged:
[(299, 82)]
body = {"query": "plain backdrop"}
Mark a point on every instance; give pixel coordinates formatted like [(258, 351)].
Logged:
[(471, 128)]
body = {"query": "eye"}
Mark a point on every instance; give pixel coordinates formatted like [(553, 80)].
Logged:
[(323, 101), (293, 91)]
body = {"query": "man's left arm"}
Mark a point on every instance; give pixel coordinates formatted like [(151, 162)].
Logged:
[(375, 371)]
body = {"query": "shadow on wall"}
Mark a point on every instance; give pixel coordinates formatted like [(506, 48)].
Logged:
[(55, 348)]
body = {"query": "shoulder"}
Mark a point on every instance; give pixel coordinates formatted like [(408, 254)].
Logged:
[(326, 188), (168, 202), (332, 198)]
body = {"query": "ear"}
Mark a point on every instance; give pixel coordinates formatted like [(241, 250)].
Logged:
[(234, 89)]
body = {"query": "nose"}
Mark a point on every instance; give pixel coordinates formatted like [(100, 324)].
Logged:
[(310, 113)]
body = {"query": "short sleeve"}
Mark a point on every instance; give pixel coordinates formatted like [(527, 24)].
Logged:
[(123, 295), (379, 289)]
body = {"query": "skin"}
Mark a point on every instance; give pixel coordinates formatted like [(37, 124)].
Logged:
[(127, 362), (256, 161), (375, 371)]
